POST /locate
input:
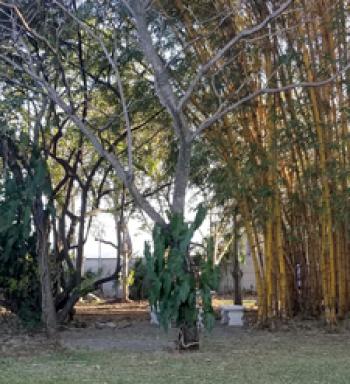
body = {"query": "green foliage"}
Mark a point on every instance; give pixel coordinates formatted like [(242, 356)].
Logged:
[(139, 286), (208, 281), (174, 276), (19, 279)]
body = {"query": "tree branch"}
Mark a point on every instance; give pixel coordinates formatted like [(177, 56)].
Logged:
[(107, 242), (118, 78), (113, 160), (161, 75), (224, 108)]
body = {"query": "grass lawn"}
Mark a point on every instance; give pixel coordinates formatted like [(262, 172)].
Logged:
[(226, 356)]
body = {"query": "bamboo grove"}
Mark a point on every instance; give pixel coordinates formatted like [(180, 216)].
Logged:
[(287, 154)]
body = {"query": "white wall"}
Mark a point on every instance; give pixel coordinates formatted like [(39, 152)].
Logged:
[(248, 277), (107, 267)]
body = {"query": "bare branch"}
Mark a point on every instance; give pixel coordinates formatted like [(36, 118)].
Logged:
[(118, 78), (113, 160), (162, 78), (106, 242)]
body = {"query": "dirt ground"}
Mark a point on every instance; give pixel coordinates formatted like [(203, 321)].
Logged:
[(119, 326), (139, 310), (126, 327)]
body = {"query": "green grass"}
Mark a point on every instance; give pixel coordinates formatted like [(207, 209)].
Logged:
[(252, 358)]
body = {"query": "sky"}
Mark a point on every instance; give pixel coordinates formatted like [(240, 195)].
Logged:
[(105, 222)]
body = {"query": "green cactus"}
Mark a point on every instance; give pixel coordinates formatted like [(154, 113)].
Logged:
[(174, 276)]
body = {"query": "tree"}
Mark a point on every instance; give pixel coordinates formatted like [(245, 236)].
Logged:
[(190, 111), (24, 254)]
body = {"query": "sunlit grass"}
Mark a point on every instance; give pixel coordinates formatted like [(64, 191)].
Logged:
[(247, 303)]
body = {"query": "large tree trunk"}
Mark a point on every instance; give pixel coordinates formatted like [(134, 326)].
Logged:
[(182, 174)]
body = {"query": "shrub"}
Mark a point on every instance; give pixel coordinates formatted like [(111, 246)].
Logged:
[(139, 288)]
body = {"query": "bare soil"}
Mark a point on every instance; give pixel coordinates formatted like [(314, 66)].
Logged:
[(126, 327), (15, 340)]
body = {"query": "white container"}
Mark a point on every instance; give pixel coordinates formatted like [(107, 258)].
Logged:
[(232, 315)]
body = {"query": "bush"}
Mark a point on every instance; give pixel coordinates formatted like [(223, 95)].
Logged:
[(139, 287), (19, 279), (19, 275)]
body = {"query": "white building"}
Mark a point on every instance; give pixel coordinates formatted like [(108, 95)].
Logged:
[(104, 267)]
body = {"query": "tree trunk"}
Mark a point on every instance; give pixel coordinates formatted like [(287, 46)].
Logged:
[(182, 173), (237, 276), (81, 236), (237, 273), (47, 301), (125, 251), (188, 338)]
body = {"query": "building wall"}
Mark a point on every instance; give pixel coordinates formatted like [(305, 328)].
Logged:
[(226, 279), (106, 266)]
